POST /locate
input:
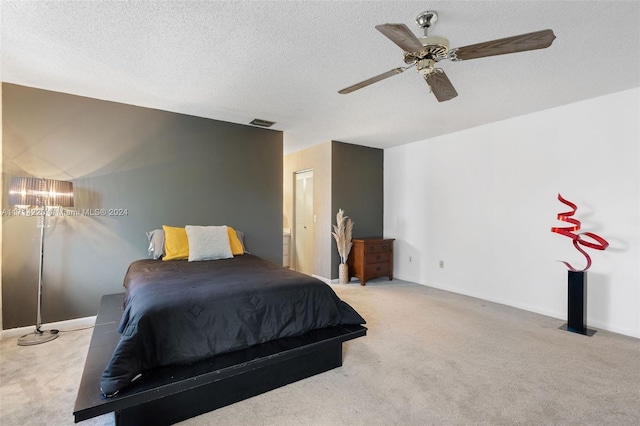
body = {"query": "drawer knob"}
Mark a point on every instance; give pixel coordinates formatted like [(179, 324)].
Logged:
[(384, 247), (377, 268), (378, 257)]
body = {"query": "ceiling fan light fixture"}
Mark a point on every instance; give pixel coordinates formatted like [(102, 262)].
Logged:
[(425, 66)]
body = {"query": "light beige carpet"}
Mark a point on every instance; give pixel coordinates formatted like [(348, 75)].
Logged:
[(430, 358)]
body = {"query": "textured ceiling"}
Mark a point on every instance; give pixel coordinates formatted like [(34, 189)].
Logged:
[(285, 61)]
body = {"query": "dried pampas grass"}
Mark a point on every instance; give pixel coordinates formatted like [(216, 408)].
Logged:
[(342, 234)]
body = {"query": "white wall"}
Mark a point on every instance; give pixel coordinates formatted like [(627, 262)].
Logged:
[(483, 201)]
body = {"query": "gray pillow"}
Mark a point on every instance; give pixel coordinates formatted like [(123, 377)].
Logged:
[(240, 235), (156, 243)]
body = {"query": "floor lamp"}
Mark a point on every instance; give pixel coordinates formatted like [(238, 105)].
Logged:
[(41, 194)]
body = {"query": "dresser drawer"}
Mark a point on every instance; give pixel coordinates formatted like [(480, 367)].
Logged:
[(376, 269), (377, 248), (378, 257), (384, 247), (370, 248)]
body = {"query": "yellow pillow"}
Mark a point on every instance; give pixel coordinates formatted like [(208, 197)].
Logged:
[(176, 243), (234, 242)]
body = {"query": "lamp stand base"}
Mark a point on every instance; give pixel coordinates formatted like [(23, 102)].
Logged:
[(37, 337), (584, 331)]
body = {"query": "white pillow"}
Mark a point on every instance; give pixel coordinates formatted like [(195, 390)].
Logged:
[(208, 243)]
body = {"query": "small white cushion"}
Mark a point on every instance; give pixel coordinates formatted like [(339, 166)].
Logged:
[(208, 243)]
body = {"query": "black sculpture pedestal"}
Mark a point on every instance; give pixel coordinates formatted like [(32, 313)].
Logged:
[(577, 304)]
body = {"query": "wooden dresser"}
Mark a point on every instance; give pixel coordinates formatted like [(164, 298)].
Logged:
[(371, 258)]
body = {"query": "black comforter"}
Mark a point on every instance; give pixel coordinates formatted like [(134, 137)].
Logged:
[(180, 312)]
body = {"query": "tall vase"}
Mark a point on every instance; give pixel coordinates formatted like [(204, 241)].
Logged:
[(343, 273)]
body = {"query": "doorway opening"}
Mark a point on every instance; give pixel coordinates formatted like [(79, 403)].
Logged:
[(303, 222)]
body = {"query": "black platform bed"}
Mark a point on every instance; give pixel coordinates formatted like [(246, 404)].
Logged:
[(171, 394)]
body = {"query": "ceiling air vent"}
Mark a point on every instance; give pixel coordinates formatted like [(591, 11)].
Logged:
[(262, 123)]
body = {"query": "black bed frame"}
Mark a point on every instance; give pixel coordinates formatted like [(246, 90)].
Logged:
[(169, 395)]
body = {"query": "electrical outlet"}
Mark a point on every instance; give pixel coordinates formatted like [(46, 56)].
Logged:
[(410, 259), (441, 264)]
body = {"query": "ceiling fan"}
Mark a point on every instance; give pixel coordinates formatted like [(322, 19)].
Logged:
[(425, 52)]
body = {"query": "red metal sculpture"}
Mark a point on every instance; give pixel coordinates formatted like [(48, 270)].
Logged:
[(569, 231)]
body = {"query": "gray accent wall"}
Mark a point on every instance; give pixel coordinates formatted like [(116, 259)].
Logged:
[(147, 168), (357, 177)]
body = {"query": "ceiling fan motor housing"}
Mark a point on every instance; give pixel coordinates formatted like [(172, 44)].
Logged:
[(435, 49)]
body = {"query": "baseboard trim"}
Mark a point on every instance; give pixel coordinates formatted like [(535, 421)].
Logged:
[(333, 281), (323, 279), (552, 314), (67, 325)]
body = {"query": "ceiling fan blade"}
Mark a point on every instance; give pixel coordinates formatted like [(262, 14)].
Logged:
[(401, 35), (371, 80), (519, 43), (441, 86)]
